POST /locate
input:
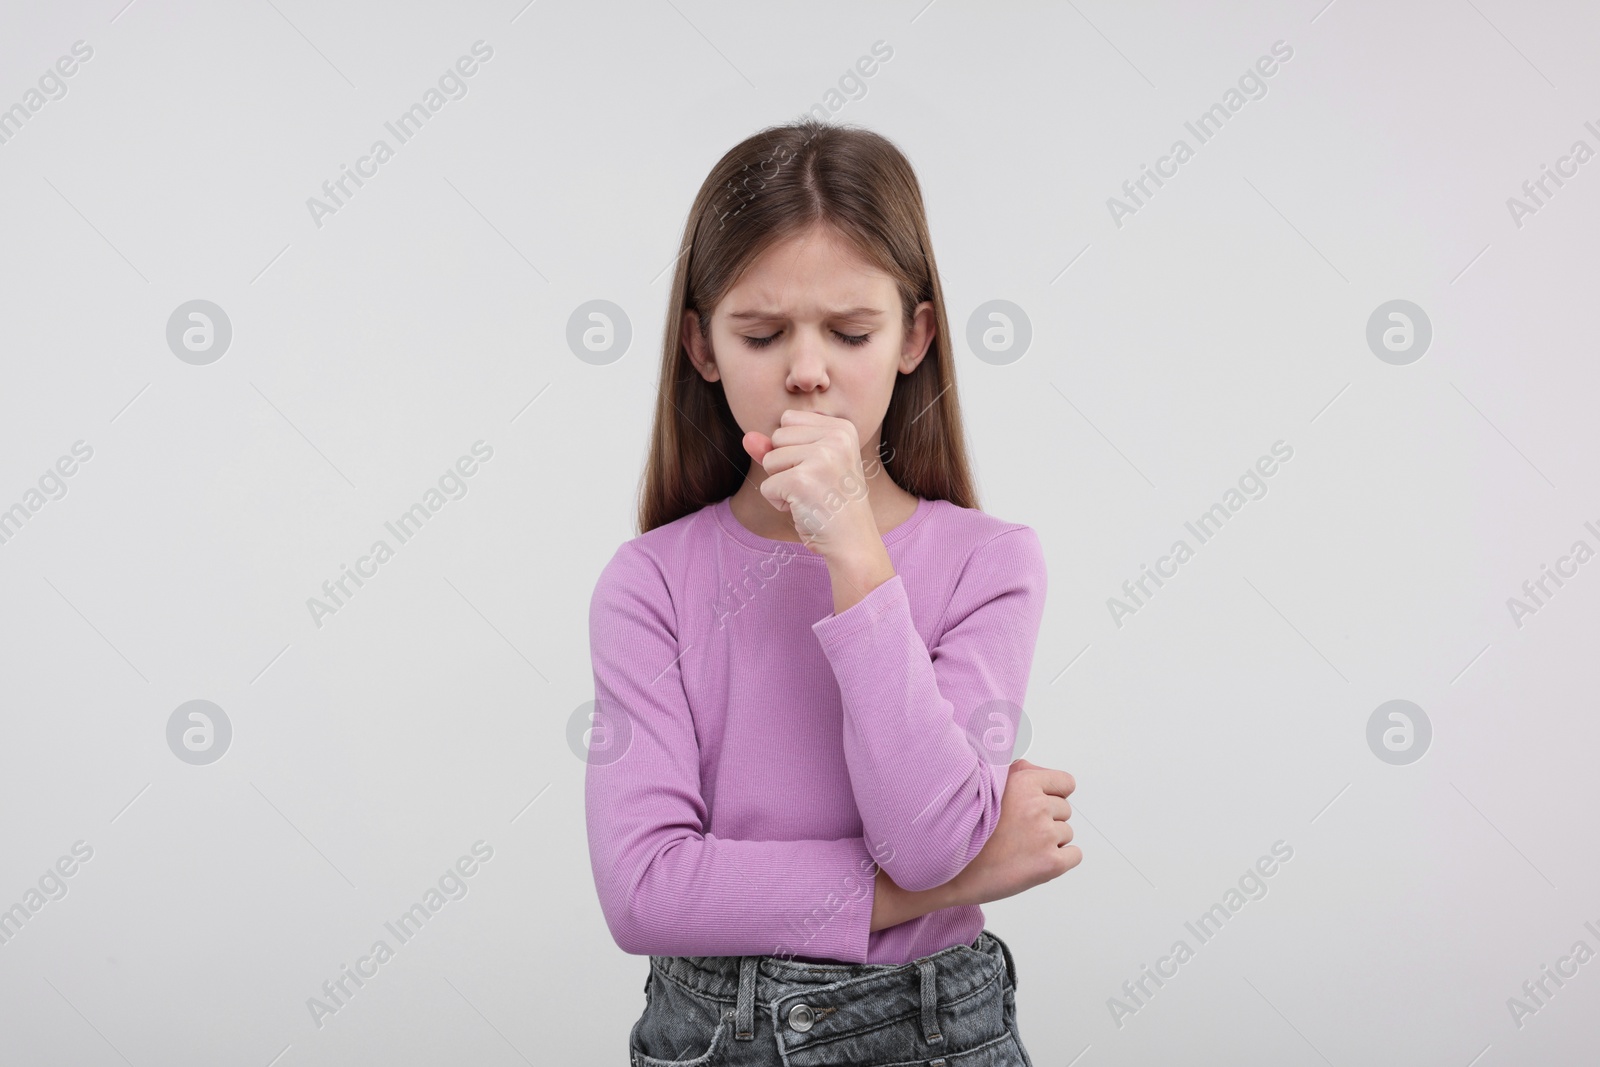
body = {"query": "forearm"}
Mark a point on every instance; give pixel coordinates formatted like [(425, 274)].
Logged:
[(928, 733), (892, 905)]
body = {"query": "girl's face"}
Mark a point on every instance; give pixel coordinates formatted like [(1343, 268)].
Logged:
[(812, 326)]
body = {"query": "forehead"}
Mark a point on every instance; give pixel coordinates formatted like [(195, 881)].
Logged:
[(816, 272)]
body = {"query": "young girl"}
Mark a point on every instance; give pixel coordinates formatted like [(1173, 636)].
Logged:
[(810, 665)]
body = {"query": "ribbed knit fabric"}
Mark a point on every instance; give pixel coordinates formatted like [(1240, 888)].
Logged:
[(755, 757)]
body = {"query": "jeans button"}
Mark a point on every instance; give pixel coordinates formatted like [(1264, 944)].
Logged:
[(801, 1017)]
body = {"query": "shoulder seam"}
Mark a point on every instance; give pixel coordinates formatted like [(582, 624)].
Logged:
[(653, 562)]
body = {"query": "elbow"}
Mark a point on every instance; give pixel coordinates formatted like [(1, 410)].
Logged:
[(922, 878), (628, 940), (631, 931), (618, 922), (643, 923), (924, 869), (932, 859), (654, 932), (620, 907)]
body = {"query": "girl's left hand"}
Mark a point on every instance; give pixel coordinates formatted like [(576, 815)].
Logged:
[(814, 472), (1030, 845)]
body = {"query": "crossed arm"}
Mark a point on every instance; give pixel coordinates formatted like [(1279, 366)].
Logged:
[(928, 770)]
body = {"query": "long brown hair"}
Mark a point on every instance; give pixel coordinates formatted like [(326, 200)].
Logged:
[(771, 186)]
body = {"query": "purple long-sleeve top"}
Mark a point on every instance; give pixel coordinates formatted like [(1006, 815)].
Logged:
[(754, 758)]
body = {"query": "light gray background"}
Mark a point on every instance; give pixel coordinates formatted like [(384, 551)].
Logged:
[(1168, 354)]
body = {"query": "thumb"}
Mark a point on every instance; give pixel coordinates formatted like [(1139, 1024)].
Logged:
[(757, 444), (1020, 764)]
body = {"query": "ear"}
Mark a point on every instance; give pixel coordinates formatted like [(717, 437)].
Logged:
[(918, 338), (700, 353)]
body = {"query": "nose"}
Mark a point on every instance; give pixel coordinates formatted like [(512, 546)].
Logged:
[(808, 365)]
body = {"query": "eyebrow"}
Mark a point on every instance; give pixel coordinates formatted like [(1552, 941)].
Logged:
[(839, 313)]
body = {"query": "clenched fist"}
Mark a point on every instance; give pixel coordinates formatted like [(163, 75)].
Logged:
[(1030, 846)]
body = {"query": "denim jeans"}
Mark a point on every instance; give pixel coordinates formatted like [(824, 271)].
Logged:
[(954, 1008)]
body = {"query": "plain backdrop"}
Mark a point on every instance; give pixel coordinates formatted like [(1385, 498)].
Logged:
[(1172, 343)]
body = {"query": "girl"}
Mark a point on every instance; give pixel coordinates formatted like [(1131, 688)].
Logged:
[(809, 667)]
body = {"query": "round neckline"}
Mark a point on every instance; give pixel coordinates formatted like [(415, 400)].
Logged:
[(723, 512)]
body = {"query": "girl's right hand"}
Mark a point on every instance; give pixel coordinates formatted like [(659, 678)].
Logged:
[(1030, 846)]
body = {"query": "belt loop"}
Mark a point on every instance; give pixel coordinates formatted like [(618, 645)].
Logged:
[(1011, 964), (930, 1002), (745, 1016)]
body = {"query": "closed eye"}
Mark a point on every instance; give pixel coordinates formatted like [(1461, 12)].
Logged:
[(853, 340)]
